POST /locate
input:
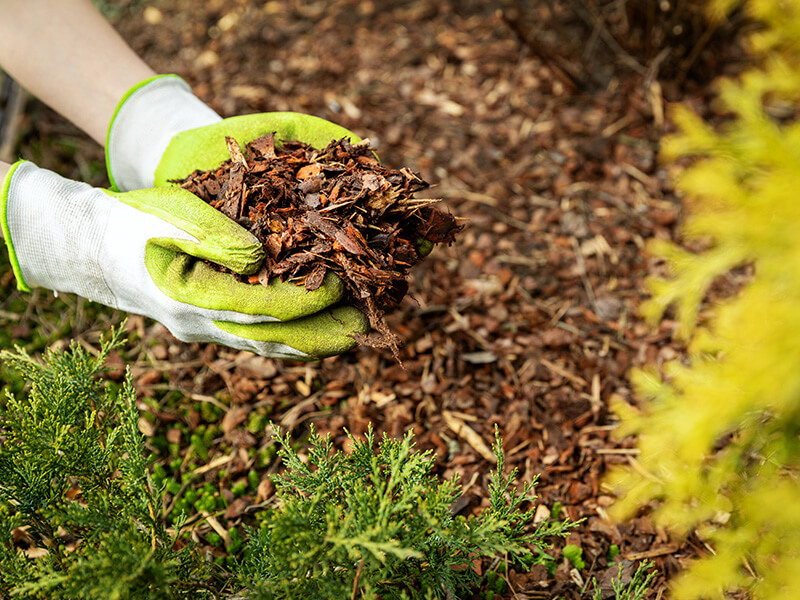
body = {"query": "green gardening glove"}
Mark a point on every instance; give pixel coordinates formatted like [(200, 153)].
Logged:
[(162, 132), (148, 252), (205, 148)]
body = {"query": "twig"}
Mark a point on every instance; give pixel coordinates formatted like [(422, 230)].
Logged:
[(560, 68), (653, 552), (587, 285), (507, 578), (655, 65), (595, 21), (355, 579), (153, 518), (12, 100), (687, 63)]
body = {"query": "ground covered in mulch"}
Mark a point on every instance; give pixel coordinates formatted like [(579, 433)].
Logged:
[(529, 320)]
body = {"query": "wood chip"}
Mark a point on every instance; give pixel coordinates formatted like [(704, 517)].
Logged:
[(559, 370), (469, 435), (653, 552), (235, 151)]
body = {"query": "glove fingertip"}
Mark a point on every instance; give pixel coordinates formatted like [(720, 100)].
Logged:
[(318, 336), (244, 260)]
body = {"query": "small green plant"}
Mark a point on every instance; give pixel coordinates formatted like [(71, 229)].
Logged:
[(73, 475), (636, 589), (495, 584), (613, 552), (376, 522), (574, 554)]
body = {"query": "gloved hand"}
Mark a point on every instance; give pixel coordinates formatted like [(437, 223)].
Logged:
[(161, 132), (145, 251)]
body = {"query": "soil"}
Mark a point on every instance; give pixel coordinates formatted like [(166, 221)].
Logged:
[(529, 320)]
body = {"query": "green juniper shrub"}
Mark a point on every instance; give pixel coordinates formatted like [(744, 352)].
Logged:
[(375, 522), (718, 429), (74, 476)]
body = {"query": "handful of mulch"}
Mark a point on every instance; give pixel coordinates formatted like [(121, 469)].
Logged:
[(336, 209)]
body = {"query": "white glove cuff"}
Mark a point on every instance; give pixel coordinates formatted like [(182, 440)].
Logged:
[(146, 120), (54, 229)]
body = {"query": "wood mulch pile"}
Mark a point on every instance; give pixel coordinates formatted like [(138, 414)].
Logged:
[(529, 320), (329, 210)]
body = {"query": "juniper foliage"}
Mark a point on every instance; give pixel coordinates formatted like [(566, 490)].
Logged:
[(634, 587), (718, 433), (375, 522), (73, 474)]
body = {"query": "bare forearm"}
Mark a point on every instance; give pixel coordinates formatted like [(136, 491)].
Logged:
[(65, 53)]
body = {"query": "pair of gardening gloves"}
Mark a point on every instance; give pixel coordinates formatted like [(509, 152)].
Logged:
[(144, 249)]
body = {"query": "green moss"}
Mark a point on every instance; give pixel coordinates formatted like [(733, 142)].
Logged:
[(574, 554)]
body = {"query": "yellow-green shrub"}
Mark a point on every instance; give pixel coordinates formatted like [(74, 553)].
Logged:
[(719, 434)]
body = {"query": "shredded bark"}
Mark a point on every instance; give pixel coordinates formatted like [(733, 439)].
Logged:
[(334, 210)]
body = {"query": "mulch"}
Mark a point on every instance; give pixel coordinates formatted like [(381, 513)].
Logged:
[(334, 210), (528, 320)]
